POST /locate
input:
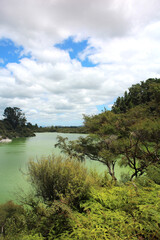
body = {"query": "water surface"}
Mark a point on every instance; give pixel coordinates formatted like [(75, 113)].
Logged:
[(15, 155)]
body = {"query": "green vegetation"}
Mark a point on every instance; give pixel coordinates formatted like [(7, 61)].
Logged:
[(14, 124), (145, 93), (62, 129), (68, 202), (55, 179), (130, 138), (14, 116)]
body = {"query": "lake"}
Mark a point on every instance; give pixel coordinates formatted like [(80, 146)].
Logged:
[(15, 155)]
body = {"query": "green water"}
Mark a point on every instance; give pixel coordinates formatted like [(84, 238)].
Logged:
[(15, 155)]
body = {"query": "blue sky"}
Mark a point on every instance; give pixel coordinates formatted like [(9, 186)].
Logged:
[(12, 53), (70, 58), (9, 52), (74, 49)]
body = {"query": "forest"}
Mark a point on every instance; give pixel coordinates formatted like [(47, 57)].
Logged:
[(67, 201)]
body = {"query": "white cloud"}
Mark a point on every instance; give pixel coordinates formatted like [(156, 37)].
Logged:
[(123, 38)]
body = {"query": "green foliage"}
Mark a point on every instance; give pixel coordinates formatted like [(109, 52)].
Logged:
[(62, 129), (130, 211), (93, 147), (133, 137), (144, 93), (103, 123), (125, 177), (32, 237), (141, 148), (14, 116), (55, 179), (12, 220), (23, 236), (153, 172), (49, 220), (126, 212), (14, 124), (97, 145)]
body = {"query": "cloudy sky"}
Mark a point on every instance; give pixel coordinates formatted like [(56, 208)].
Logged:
[(60, 59)]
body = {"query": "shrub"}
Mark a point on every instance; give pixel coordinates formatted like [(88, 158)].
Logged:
[(54, 178), (12, 219), (32, 237), (153, 172), (126, 212)]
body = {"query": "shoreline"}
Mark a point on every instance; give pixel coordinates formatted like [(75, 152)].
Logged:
[(5, 140)]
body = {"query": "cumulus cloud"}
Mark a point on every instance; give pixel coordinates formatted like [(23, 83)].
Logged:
[(52, 88)]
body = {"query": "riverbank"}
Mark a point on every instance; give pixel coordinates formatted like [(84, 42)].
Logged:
[(5, 140), (8, 132)]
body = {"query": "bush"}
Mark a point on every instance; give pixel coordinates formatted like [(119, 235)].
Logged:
[(54, 178), (126, 212), (12, 219), (125, 177), (32, 237), (153, 172)]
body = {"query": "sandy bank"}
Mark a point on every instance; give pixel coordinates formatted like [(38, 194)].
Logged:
[(5, 140)]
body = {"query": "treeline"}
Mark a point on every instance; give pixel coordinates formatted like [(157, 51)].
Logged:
[(63, 129), (147, 92), (14, 124)]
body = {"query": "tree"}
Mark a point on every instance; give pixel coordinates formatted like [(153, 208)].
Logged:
[(141, 148), (132, 136), (15, 117), (131, 139), (93, 147), (138, 94), (96, 146)]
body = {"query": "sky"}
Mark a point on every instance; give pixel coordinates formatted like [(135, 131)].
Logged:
[(60, 59)]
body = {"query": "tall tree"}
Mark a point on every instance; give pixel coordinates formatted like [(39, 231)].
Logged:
[(14, 116)]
